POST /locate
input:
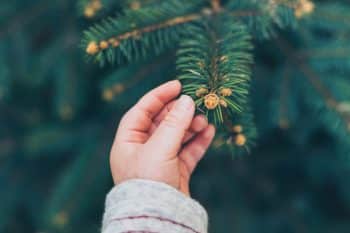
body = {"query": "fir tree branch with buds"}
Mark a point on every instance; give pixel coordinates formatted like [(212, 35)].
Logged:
[(214, 56)]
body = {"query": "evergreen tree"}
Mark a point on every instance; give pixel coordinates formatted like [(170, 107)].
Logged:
[(272, 75)]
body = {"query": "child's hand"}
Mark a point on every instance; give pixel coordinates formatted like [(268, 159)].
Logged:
[(160, 139)]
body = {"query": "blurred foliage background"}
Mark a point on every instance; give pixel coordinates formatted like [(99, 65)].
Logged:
[(58, 115)]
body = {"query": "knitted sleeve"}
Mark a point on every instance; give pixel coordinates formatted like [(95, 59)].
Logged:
[(151, 207)]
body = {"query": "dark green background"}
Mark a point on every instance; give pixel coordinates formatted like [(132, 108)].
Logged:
[(54, 172)]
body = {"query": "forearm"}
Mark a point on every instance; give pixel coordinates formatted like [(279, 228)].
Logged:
[(148, 206)]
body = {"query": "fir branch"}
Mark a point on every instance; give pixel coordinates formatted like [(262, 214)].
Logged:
[(89, 8), (314, 79), (151, 27), (137, 4), (238, 133), (213, 63), (137, 31), (263, 17), (241, 133)]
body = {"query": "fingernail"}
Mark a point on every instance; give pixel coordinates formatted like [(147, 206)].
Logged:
[(172, 82), (185, 102), (175, 81)]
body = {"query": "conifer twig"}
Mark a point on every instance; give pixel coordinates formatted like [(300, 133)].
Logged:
[(340, 52), (168, 23), (178, 20), (314, 79)]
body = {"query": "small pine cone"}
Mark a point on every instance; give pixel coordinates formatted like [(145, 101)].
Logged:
[(92, 48), (118, 88), (201, 91), (60, 219), (108, 95), (136, 35), (237, 129), (116, 43), (89, 12), (104, 44), (226, 92), (240, 140), (96, 5), (111, 40), (303, 8), (135, 5), (211, 101), (223, 103)]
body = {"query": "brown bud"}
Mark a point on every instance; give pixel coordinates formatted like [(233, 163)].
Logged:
[(304, 7), (108, 95), (135, 5), (240, 140), (118, 88), (60, 219), (136, 35), (223, 103), (226, 92), (237, 129), (111, 40), (116, 43), (89, 12), (211, 101), (201, 91), (92, 48), (96, 5), (104, 44)]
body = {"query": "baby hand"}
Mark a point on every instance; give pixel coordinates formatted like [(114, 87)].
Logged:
[(160, 139)]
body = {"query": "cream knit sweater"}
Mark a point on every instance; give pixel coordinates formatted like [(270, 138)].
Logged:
[(147, 206)]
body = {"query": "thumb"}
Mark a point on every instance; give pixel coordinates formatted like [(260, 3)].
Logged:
[(167, 139)]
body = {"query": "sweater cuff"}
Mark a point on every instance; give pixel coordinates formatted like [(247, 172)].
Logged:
[(146, 205)]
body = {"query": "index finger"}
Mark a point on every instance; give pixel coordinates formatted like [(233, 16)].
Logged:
[(139, 118), (154, 101)]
